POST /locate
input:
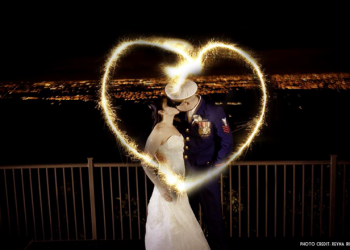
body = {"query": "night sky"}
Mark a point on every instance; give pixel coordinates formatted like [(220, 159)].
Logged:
[(72, 42), (52, 43)]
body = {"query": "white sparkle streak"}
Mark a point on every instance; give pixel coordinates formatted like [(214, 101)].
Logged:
[(189, 63)]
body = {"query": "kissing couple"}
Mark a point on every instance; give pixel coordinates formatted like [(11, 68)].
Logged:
[(200, 141)]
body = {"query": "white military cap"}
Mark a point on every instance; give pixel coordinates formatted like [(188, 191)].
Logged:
[(187, 89)]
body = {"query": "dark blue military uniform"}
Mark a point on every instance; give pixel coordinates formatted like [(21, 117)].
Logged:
[(208, 142)]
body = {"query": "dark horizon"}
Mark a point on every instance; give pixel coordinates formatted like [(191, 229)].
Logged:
[(64, 45)]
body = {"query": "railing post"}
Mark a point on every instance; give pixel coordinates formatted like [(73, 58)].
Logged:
[(92, 198), (332, 195)]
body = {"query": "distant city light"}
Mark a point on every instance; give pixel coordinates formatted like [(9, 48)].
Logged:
[(68, 90)]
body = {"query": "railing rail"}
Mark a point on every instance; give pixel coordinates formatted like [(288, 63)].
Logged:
[(259, 198)]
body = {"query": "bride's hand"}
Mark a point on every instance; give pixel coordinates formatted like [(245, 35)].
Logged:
[(165, 193)]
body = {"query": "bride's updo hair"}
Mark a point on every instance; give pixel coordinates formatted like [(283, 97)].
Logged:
[(155, 106)]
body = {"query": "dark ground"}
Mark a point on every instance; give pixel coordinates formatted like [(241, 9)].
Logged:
[(139, 244)]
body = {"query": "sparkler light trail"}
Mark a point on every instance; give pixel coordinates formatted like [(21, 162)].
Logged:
[(191, 62)]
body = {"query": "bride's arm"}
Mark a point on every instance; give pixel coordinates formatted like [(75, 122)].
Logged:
[(153, 143)]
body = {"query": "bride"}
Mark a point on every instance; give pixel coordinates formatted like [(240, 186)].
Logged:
[(171, 223)]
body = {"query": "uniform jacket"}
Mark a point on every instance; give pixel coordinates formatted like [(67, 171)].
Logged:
[(207, 142)]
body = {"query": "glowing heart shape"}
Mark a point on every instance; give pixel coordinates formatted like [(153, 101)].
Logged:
[(191, 62)]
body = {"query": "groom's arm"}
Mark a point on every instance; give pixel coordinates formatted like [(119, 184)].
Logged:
[(223, 136)]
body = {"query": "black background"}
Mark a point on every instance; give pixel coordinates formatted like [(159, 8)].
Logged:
[(54, 42), (66, 42)]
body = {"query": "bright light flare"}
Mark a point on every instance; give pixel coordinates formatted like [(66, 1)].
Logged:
[(171, 179), (181, 187), (189, 63)]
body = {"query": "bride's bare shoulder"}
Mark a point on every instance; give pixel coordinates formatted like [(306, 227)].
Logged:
[(154, 140), (157, 129), (158, 132), (159, 126)]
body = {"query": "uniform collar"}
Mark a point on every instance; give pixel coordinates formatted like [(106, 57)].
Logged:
[(197, 105), (199, 109), (195, 109)]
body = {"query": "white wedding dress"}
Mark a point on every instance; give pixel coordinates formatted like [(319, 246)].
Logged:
[(173, 225)]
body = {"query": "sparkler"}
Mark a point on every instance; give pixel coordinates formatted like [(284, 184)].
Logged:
[(191, 62)]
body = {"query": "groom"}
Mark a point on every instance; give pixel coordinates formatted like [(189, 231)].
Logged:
[(208, 142)]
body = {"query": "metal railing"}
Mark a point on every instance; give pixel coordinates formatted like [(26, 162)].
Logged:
[(109, 201)]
